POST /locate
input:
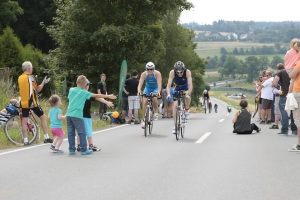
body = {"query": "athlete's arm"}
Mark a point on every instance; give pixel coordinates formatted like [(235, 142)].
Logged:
[(141, 82), (171, 77), (159, 80), (190, 81)]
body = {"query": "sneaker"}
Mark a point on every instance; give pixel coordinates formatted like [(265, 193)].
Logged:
[(52, 147), (136, 122), (57, 151), (274, 127), (94, 148), (268, 122), (26, 143), (78, 148), (295, 148), (129, 122), (258, 120), (143, 125), (89, 151), (262, 122), (280, 133), (49, 140), (294, 132), (155, 116), (187, 114), (72, 152), (174, 131)]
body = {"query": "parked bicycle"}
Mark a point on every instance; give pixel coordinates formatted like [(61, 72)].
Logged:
[(13, 127), (180, 120), (148, 118)]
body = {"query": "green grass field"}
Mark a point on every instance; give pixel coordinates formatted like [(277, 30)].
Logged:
[(211, 49)]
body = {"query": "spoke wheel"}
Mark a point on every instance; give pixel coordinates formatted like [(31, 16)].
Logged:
[(151, 123), (177, 124), (146, 122), (13, 130), (183, 122)]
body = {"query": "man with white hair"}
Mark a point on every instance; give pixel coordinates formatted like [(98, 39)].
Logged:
[(29, 88)]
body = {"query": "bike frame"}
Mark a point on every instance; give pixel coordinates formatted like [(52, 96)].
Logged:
[(180, 116)]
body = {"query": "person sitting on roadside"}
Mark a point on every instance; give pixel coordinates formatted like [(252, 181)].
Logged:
[(9, 110), (242, 120)]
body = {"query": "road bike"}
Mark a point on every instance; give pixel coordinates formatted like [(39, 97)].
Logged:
[(13, 128), (180, 120), (206, 105), (148, 118)]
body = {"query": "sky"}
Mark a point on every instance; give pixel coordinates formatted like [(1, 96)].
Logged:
[(207, 11)]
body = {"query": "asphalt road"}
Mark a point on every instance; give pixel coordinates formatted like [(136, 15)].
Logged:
[(209, 163)]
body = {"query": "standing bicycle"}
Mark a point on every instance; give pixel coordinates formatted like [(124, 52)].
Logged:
[(152, 78), (29, 90), (182, 78), (13, 125), (149, 117)]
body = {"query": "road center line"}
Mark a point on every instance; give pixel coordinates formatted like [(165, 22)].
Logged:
[(203, 137), (221, 120)]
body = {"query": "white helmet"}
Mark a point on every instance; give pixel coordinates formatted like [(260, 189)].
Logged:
[(205, 91), (179, 66), (150, 65)]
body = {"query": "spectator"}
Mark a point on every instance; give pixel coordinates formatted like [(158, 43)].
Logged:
[(291, 58), (56, 117), (101, 89), (168, 102), (75, 114), (163, 97), (258, 90), (294, 74), (125, 100), (242, 120), (267, 98), (283, 78), (133, 99), (29, 89)]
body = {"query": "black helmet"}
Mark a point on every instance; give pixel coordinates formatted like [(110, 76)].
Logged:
[(179, 66)]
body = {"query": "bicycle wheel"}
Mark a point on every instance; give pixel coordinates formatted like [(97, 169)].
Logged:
[(183, 123), (146, 121), (150, 123), (177, 124), (13, 130)]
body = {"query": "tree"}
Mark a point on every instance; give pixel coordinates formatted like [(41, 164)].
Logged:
[(230, 66), (9, 10), (263, 62), (252, 68), (235, 51), (275, 61), (223, 51)]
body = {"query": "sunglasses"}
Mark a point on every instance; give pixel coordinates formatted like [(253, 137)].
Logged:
[(149, 69), (179, 72)]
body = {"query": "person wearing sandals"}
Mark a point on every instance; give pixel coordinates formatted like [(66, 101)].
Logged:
[(242, 120)]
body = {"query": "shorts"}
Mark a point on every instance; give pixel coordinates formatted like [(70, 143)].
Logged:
[(58, 132), (38, 111), (88, 127), (266, 104), (125, 103), (296, 112), (150, 90), (185, 87), (276, 106), (133, 102)]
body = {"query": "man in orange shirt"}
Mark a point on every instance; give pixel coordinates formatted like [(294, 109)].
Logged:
[(29, 89), (294, 74)]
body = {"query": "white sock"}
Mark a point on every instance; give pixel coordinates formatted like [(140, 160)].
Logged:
[(25, 139), (46, 136)]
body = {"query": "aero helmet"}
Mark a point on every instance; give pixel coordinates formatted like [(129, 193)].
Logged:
[(179, 66), (150, 65), (205, 91)]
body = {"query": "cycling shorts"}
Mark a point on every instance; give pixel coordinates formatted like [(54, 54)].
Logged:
[(185, 87), (150, 90)]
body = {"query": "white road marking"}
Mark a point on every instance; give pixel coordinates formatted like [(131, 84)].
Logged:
[(221, 120), (31, 147), (203, 137)]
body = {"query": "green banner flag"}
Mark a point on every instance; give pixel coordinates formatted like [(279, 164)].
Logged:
[(123, 73)]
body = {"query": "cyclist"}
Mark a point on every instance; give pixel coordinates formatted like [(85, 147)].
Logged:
[(153, 79), (183, 81), (29, 88), (216, 107), (205, 97)]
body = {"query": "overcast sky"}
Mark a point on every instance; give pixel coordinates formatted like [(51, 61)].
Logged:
[(207, 11)]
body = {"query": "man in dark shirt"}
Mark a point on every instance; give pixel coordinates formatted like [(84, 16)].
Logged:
[(133, 99), (101, 89), (125, 100), (282, 78)]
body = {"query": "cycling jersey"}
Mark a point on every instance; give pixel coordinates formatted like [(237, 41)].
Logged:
[(206, 96), (27, 85), (151, 84), (181, 83)]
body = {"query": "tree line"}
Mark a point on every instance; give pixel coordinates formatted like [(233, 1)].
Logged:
[(91, 37)]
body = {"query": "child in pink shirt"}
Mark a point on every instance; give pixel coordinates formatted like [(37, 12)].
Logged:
[(291, 58)]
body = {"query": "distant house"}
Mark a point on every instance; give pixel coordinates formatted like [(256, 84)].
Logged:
[(244, 36), (232, 36)]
